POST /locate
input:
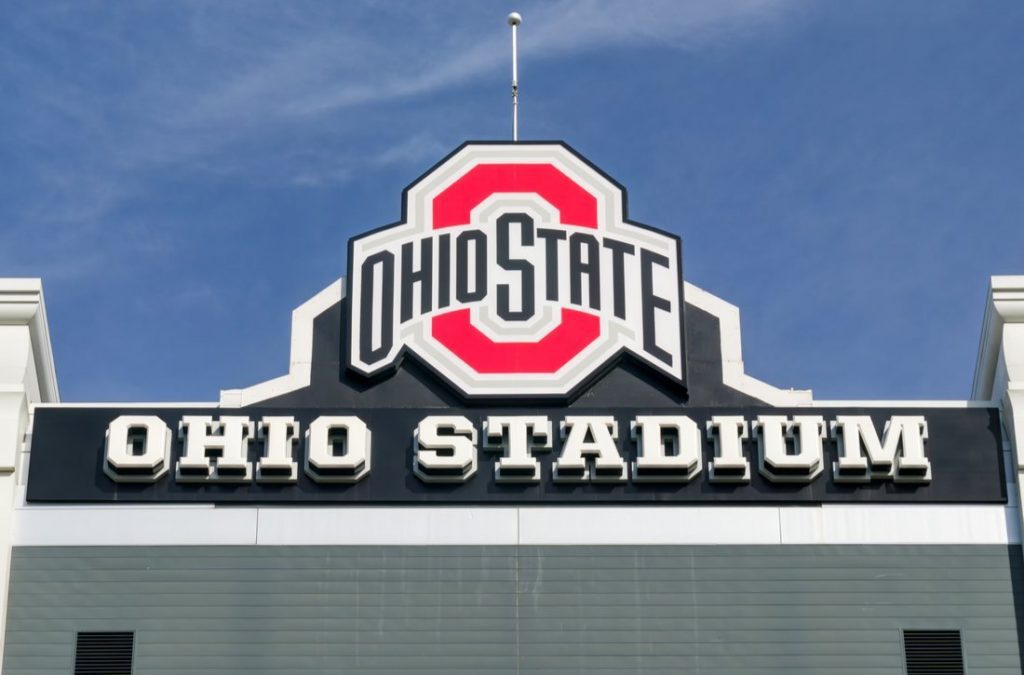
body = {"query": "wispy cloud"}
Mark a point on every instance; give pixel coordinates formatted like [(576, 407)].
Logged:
[(418, 149), (252, 90), (327, 69)]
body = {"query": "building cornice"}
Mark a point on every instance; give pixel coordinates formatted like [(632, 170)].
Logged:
[(22, 304), (1005, 306)]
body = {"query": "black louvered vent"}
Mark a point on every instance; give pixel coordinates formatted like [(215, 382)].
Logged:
[(104, 653), (933, 652)]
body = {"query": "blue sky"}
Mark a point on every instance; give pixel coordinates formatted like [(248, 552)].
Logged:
[(183, 174)]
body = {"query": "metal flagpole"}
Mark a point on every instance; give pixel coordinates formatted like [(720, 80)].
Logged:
[(514, 19)]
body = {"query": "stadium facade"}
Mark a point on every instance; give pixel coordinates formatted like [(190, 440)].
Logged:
[(511, 439)]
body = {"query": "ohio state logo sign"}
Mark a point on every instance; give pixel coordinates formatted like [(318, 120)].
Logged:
[(514, 273)]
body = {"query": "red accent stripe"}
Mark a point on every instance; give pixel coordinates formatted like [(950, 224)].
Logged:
[(575, 205), (456, 332)]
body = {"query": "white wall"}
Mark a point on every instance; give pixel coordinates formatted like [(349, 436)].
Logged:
[(26, 377)]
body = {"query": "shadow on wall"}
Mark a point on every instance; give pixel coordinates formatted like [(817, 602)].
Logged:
[(1016, 562)]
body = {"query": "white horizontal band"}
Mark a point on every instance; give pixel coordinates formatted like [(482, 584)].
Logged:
[(627, 526)]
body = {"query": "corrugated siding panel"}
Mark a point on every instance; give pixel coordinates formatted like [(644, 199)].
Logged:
[(659, 609)]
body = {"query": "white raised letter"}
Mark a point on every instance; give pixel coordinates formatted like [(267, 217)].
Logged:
[(729, 464), (862, 457), (777, 464), (337, 449), (444, 457), (230, 435), (589, 437), (277, 465), (666, 458), (138, 449), (516, 438)]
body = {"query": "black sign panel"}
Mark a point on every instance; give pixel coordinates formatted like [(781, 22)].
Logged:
[(67, 459)]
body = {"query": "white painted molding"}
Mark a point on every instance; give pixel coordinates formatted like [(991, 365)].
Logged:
[(134, 526), (900, 524), (302, 352), (1005, 306), (999, 373), (181, 525), (383, 526), (728, 316), (1013, 414), (114, 405), (903, 404), (27, 376), (733, 374), (301, 360), (21, 304)]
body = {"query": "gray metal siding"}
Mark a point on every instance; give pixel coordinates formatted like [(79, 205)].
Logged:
[(713, 610)]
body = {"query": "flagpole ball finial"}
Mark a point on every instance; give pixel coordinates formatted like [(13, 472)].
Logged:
[(514, 19)]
